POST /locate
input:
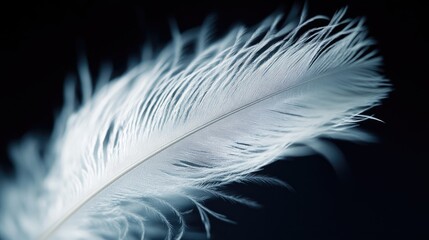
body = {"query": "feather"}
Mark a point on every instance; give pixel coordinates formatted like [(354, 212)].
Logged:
[(144, 149)]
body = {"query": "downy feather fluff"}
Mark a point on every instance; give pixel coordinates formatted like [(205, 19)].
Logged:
[(144, 149)]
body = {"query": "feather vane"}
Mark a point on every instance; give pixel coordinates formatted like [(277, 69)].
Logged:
[(146, 147)]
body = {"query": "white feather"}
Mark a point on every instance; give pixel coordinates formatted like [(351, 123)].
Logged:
[(150, 145)]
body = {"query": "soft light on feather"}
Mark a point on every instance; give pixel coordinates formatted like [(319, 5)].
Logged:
[(145, 148)]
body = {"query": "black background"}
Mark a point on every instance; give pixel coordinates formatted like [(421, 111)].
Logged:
[(387, 196)]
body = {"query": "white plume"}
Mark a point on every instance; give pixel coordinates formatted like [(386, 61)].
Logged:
[(145, 148)]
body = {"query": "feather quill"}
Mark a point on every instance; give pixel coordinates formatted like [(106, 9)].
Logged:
[(157, 141)]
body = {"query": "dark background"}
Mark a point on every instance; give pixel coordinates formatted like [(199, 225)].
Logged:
[(387, 196)]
